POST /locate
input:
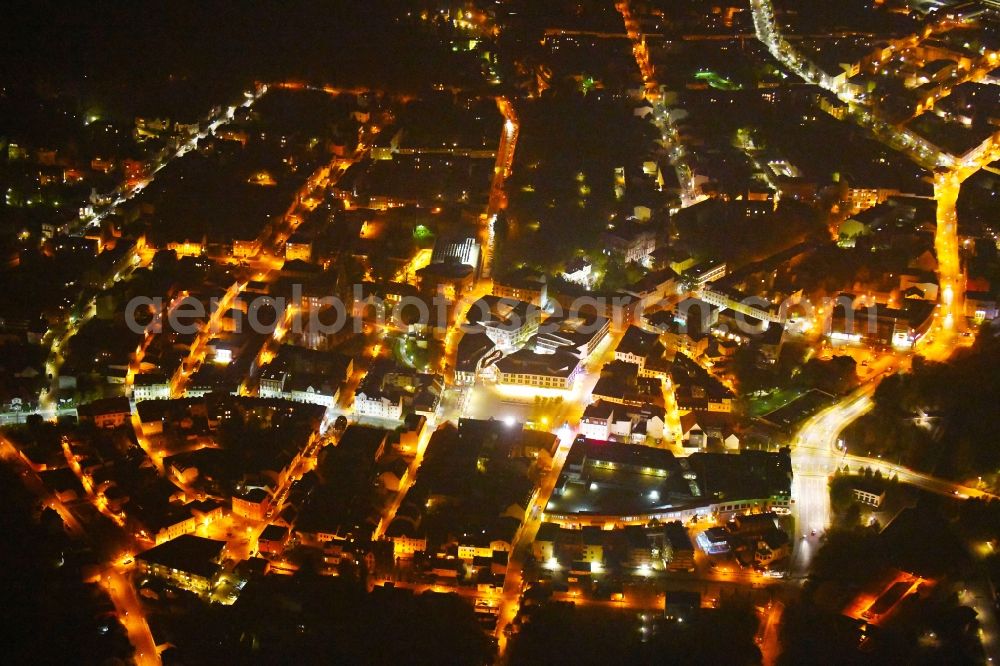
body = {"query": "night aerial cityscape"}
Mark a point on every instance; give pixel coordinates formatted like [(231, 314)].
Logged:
[(500, 332)]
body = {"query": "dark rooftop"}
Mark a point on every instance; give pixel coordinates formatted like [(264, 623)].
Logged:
[(188, 553)]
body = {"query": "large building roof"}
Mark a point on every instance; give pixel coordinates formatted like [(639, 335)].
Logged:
[(636, 341), (188, 553), (527, 362), (607, 478), (472, 348), (499, 312), (625, 454)]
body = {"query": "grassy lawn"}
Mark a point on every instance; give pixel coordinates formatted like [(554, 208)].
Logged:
[(409, 354), (760, 405)]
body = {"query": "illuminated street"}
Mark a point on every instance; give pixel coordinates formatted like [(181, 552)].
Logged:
[(501, 333)]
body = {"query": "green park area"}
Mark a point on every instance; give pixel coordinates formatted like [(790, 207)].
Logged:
[(717, 80)]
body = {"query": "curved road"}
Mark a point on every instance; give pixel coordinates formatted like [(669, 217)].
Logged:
[(816, 454)]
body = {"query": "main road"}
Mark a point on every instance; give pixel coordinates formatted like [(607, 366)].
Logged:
[(501, 171), (818, 451), (59, 334), (265, 258), (521, 546), (112, 577), (661, 118), (949, 171)]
